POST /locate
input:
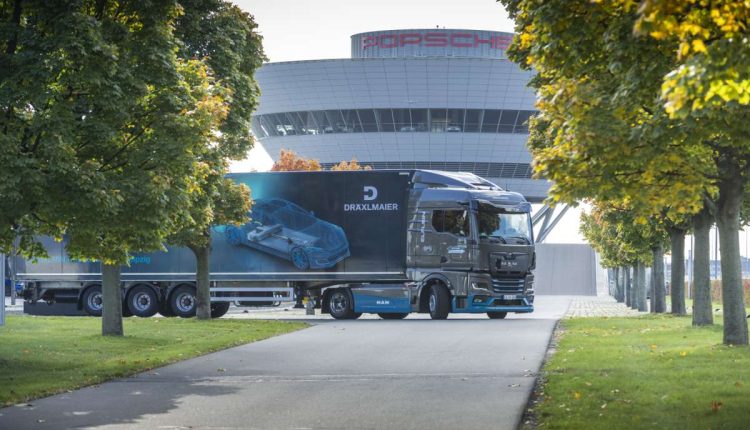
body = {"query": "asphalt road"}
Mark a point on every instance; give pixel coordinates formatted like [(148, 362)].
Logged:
[(468, 373)]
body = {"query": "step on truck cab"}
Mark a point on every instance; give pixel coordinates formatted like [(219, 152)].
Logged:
[(389, 242)]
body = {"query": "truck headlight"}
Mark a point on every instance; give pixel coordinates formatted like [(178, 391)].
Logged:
[(480, 285)]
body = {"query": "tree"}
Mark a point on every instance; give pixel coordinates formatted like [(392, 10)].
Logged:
[(224, 39), (623, 240), (710, 83), (100, 126), (350, 165), (603, 132), (290, 161)]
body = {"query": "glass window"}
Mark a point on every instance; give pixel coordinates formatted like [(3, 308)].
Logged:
[(419, 119), (277, 124), (285, 124), (296, 122), (438, 120), (451, 221), (351, 121), (522, 122), (324, 125), (402, 120), (268, 126), (258, 131), (336, 121), (507, 121), (489, 123), (367, 116), (473, 121), (505, 227), (455, 120), (385, 119), (309, 126)]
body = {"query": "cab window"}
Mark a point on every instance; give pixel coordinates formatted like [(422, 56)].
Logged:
[(451, 221)]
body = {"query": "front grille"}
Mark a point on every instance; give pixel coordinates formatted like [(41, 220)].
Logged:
[(507, 286)]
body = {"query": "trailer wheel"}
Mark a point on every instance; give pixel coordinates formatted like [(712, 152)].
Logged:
[(340, 305), (497, 315), (182, 301), (219, 309), (393, 316), (440, 302), (126, 310), (92, 301), (143, 301), (300, 259)]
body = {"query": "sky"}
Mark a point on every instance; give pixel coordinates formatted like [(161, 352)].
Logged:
[(295, 30)]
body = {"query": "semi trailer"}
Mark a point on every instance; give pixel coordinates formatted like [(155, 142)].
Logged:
[(389, 242)]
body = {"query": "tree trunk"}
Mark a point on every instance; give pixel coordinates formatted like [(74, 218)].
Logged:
[(728, 223), (702, 306), (626, 282), (677, 278), (202, 283), (641, 301), (634, 287), (619, 296), (658, 292), (111, 301)]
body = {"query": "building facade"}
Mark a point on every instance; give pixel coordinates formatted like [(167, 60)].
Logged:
[(423, 98)]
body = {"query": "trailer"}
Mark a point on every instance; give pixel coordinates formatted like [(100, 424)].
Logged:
[(389, 242)]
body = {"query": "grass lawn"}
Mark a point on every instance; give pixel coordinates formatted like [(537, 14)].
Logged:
[(40, 356), (645, 372)]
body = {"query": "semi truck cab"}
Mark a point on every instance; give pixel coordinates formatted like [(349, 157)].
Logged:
[(470, 249)]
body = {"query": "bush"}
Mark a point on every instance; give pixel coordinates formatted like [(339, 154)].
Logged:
[(716, 290)]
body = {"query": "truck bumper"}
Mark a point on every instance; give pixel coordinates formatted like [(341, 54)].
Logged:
[(477, 304)]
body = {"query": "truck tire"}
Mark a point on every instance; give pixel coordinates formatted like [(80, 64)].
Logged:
[(440, 302), (393, 316), (182, 301), (219, 309), (497, 315), (142, 301), (91, 301), (341, 306), (126, 310)]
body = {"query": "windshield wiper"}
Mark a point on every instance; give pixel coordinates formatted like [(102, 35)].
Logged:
[(525, 239), (496, 238)]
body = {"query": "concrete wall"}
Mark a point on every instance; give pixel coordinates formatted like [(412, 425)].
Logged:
[(565, 269)]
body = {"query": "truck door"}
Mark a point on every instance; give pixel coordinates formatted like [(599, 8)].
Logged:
[(451, 238)]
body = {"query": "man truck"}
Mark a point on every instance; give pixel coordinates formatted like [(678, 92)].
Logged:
[(389, 242)]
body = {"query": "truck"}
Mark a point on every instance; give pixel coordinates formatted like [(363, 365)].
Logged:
[(389, 242)]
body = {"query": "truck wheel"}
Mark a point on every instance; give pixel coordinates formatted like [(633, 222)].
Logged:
[(497, 315), (125, 309), (92, 301), (182, 300), (219, 309), (143, 301), (340, 305), (233, 234), (299, 259), (393, 316), (440, 302)]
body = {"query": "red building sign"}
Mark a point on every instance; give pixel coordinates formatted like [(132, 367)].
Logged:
[(435, 39)]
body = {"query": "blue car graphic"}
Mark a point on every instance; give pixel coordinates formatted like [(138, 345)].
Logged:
[(285, 230)]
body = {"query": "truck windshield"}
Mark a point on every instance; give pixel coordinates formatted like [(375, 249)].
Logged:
[(505, 226)]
